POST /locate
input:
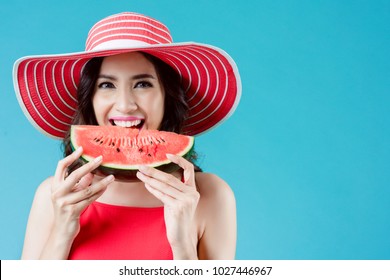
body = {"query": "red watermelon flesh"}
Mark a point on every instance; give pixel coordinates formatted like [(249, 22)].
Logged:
[(125, 149)]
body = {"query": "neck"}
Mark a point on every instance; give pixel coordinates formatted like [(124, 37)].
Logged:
[(128, 194)]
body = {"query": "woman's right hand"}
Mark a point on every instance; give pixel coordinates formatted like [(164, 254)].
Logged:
[(72, 194)]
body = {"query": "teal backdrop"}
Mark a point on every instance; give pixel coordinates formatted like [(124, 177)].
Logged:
[(307, 151)]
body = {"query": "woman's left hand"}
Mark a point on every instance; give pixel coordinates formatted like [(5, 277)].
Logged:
[(180, 202)]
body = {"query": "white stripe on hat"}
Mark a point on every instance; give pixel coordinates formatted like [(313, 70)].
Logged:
[(197, 71), (31, 101), (40, 97), (215, 93), (73, 71), (178, 55), (64, 83), (232, 109), (147, 20), (91, 41), (174, 62), (119, 44), (49, 95), (114, 31), (56, 89)]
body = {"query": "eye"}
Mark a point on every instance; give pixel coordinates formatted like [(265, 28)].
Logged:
[(143, 84), (104, 85)]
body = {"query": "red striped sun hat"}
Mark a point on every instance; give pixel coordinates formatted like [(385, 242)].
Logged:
[(46, 85)]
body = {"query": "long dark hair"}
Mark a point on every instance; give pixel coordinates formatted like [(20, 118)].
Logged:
[(175, 103)]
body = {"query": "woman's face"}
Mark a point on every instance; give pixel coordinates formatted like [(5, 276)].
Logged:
[(128, 92)]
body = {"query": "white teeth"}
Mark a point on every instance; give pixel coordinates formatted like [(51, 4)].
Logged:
[(127, 123)]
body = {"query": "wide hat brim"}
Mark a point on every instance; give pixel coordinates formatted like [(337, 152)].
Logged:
[(46, 85)]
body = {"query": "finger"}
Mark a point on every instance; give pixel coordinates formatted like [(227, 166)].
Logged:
[(166, 199), (161, 176), (76, 175), (64, 163), (90, 193), (160, 186), (84, 182), (188, 169), (68, 185), (86, 202)]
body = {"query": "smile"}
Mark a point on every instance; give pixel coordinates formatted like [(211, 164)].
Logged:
[(128, 122)]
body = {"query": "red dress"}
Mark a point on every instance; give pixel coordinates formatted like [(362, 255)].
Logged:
[(112, 232)]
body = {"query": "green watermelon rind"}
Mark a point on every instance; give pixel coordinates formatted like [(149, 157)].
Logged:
[(130, 174)]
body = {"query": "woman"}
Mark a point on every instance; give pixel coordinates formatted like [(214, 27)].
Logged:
[(131, 75)]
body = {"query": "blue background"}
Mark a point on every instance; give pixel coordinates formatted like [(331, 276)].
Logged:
[(307, 151)]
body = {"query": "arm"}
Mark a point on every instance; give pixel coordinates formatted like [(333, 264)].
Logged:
[(54, 218), (42, 239), (218, 211), (39, 222)]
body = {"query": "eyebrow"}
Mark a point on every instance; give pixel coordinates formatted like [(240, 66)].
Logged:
[(135, 77)]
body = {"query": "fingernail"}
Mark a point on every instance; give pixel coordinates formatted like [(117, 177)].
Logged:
[(109, 178), (170, 156), (142, 168), (79, 149), (98, 159)]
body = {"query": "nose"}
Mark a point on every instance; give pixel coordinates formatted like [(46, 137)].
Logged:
[(125, 102)]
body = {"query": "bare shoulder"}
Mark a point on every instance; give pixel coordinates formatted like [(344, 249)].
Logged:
[(44, 190), (42, 205), (216, 196), (212, 187)]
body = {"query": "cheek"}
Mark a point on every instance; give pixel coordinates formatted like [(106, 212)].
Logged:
[(154, 109), (158, 108)]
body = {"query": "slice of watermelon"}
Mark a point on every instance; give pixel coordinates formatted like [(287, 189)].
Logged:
[(125, 149)]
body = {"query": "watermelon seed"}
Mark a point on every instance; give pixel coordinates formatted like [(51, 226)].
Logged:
[(149, 155), (140, 150), (118, 150)]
